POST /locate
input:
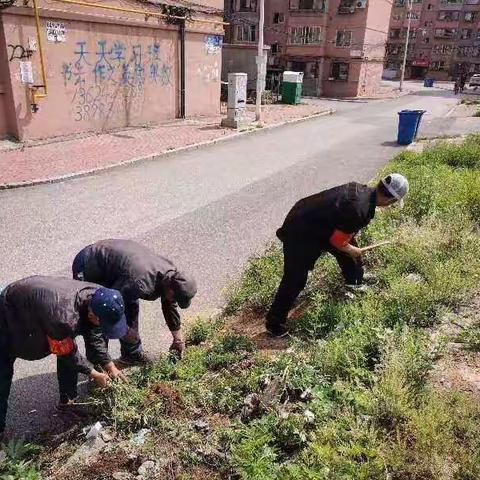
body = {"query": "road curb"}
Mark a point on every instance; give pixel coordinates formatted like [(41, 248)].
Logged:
[(163, 154)]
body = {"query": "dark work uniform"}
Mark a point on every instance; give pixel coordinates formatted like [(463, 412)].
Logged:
[(306, 235), (139, 274), (43, 315)]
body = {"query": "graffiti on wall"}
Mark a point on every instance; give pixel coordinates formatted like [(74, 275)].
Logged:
[(209, 73), (18, 52), (213, 44), (110, 81)]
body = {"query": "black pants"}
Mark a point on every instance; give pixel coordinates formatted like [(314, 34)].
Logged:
[(132, 343), (67, 379), (298, 261)]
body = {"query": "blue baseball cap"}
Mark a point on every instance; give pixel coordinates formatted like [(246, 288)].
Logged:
[(108, 306)]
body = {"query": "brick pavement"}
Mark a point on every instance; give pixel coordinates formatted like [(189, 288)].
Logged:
[(44, 161)]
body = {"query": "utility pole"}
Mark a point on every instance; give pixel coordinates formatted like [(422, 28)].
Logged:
[(260, 63), (409, 23)]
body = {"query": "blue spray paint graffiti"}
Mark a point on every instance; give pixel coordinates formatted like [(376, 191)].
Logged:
[(110, 78)]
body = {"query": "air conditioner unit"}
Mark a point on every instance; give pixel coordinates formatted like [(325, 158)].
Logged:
[(361, 4)]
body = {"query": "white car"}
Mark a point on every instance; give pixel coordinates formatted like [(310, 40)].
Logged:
[(475, 80)]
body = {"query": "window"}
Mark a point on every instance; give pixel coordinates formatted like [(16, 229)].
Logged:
[(393, 49), (413, 15), (469, 16), (443, 49), (275, 48), (401, 3), (278, 17), (438, 65), (314, 5), (246, 33), (248, 5), (305, 4), (346, 6), (395, 33), (339, 71), (445, 32), (426, 40), (466, 33), (305, 35), (344, 38), (449, 16), (452, 2)]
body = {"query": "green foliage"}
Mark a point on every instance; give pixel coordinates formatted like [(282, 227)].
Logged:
[(258, 285), (201, 330), (470, 337), (18, 463), (228, 350)]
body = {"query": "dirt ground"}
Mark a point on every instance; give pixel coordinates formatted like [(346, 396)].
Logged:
[(458, 369)]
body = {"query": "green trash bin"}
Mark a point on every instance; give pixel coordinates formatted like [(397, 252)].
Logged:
[(292, 87)]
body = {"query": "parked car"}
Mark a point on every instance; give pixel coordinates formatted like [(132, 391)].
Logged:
[(475, 80)]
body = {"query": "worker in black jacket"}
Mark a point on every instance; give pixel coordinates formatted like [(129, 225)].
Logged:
[(327, 222), (138, 273), (43, 315)]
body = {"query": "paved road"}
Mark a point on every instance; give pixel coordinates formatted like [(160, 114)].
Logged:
[(209, 210)]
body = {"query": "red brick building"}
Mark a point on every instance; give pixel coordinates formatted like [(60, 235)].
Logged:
[(444, 38), (338, 44)]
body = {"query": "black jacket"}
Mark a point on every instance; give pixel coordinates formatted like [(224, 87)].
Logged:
[(138, 273), (312, 220), (37, 308)]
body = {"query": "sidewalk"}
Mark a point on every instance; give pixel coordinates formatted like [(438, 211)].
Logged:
[(58, 159)]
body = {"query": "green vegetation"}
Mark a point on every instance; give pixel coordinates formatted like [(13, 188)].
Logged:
[(17, 464), (348, 397)]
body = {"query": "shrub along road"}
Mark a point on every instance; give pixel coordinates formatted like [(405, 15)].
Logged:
[(209, 210)]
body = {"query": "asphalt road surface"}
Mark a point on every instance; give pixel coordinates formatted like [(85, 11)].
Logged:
[(209, 210)]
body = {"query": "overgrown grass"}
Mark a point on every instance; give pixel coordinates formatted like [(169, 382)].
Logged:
[(349, 398)]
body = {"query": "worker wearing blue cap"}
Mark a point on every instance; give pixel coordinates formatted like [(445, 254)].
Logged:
[(43, 315)]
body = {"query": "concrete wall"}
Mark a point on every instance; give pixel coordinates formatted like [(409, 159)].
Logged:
[(238, 58), (112, 71), (204, 69)]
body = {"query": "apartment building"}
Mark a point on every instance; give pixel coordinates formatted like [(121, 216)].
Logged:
[(339, 45), (444, 38)]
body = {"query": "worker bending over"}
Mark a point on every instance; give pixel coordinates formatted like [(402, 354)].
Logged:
[(328, 222), (138, 273), (43, 315)]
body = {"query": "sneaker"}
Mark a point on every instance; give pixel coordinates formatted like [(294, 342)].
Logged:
[(277, 330), (139, 358)]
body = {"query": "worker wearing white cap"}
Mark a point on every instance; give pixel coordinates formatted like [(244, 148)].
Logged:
[(328, 222)]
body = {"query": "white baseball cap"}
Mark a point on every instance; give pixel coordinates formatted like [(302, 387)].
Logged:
[(397, 185)]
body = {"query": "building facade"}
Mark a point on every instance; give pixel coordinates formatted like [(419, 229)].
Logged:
[(339, 45), (444, 38), (104, 69)]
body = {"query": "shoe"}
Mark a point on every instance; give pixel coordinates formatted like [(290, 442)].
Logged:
[(357, 288), (73, 407), (139, 358), (277, 330)]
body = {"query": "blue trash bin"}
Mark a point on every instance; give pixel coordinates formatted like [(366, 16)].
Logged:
[(408, 123), (428, 82)]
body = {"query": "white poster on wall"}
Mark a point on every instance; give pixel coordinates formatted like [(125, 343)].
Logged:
[(26, 72), (56, 32)]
